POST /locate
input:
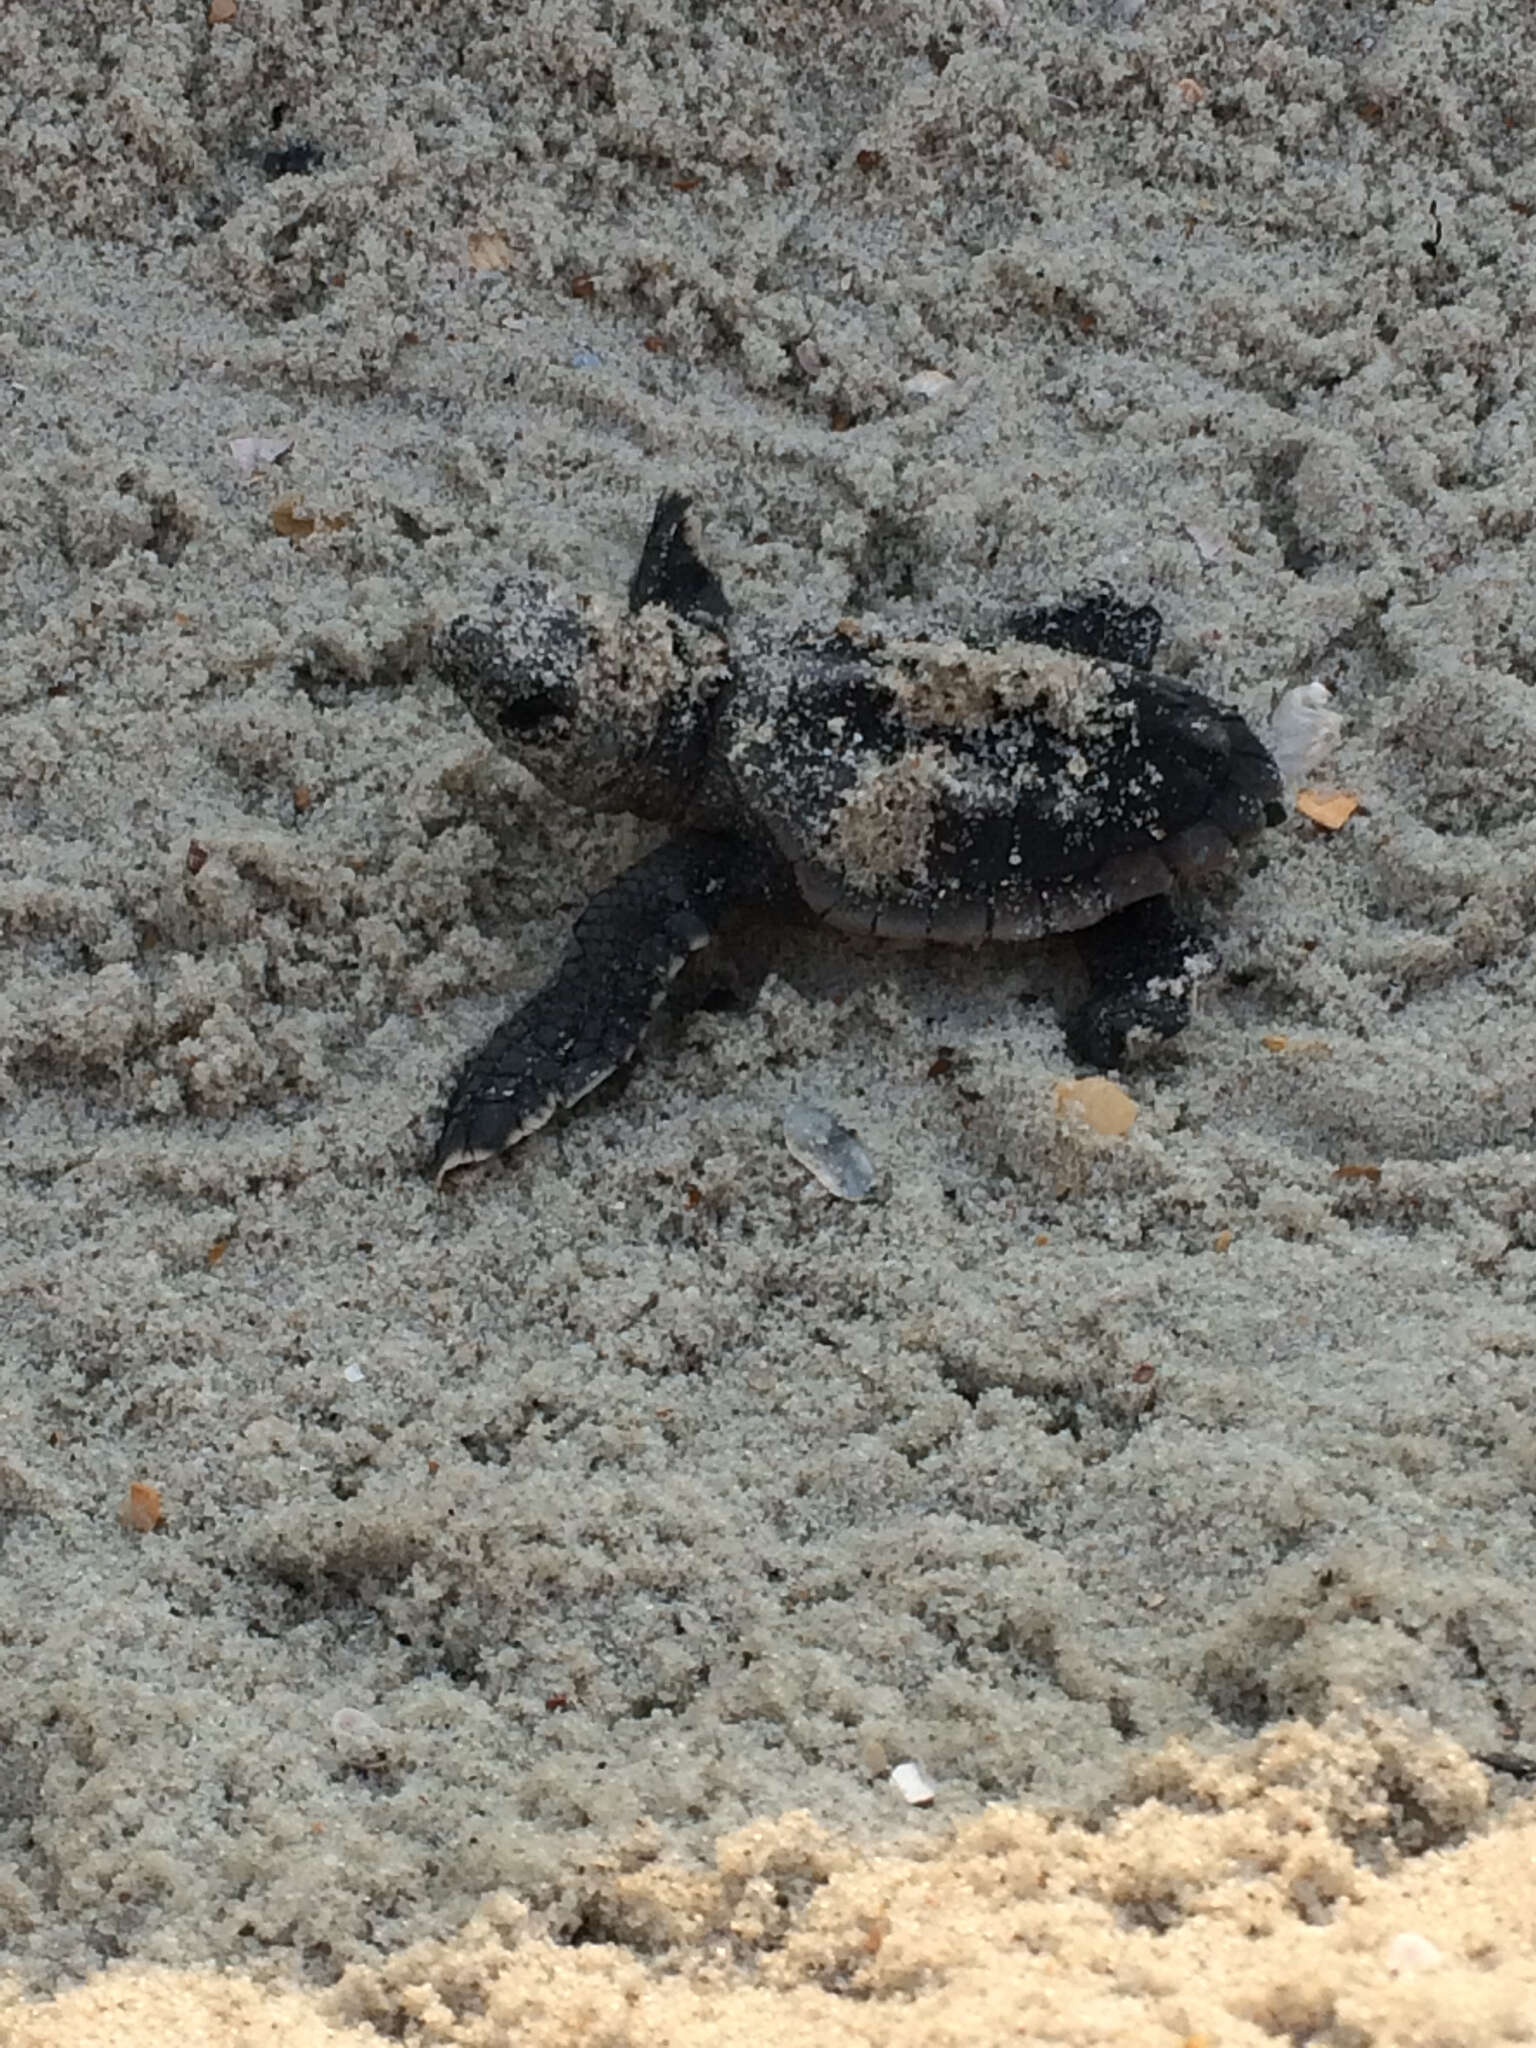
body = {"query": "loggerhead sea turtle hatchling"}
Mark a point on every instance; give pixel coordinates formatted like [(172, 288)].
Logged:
[(912, 789)]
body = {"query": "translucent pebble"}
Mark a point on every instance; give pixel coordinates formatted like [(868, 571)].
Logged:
[(829, 1150), (358, 1736), (256, 451), (1408, 1953), (1304, 729), (913, 1786)]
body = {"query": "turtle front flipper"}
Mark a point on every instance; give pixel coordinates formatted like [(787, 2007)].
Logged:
[(1139, 972), (670, 572), (627, 945)]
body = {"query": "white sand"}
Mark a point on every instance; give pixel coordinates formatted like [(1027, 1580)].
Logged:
[(635, 1492)]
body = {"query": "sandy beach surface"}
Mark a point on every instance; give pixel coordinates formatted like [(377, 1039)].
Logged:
[(494, 1616)]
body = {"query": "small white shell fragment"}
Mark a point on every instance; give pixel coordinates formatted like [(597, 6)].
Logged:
[(1207, 546), (353, 1372), (928, 384), (808, 356), (257, 451), (358, 1736), (829, 1150), (1408, 1953), (910, 1782), (1304, 729)]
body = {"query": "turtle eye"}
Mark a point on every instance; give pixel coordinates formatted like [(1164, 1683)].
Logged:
[(524, 710)]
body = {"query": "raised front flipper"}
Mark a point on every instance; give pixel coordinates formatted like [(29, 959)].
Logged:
[(627, 945), (670, 572)]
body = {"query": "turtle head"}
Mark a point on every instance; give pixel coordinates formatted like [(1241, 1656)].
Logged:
[(608, 707), (519, 671)]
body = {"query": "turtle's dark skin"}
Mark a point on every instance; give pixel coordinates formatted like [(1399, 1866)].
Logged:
[(911, 789)]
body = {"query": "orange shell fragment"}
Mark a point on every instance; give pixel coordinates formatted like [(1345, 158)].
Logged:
[(142, 1509), (1328, 811), (295, 524), (489, 249), (1101, 1104)]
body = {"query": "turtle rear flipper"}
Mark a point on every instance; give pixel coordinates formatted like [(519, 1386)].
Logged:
[(1139, 972), (627, 946), (1097, 623)]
